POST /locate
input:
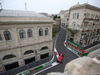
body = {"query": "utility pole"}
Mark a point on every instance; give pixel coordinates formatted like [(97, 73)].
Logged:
[(1, 5), (25, 6)]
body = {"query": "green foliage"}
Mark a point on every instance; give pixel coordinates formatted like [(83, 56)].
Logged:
[(73, 32), (55, 16), (54, 35)]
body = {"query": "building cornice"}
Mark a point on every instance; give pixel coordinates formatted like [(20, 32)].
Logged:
[(24, 22), (86, 6)]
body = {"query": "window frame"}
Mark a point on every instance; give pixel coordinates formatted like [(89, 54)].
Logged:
[(0, 37), (29, 33), (9, 56), (28, 52), (44, 48), (7, 35), (46, 31), (22, 34), (41, 32)]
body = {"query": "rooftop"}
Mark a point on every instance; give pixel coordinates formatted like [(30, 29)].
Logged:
[(20, 13), (88, 6), (22, 16)]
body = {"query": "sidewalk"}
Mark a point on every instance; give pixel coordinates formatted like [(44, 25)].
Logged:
[(29, 67)]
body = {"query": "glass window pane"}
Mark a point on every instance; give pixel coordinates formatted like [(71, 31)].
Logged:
[(29, 33), (46, 31), (40, 32), (22, 34), (7, 35), (0, 37)]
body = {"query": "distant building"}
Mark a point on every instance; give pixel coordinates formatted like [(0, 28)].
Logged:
[(56, 25), (84, 24), (65, 18), (25, 37), (57, 22)]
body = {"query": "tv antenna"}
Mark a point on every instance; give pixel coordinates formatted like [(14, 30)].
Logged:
[(1, 5), (25, 6)]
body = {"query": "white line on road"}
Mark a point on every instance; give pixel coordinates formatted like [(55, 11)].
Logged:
[(53, 64)]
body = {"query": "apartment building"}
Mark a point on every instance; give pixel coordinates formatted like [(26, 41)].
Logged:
[(84, 24), (25, 37)]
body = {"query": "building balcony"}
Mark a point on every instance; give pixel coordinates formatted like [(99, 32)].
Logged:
[(85, 32), (90, 20), (96, 19)]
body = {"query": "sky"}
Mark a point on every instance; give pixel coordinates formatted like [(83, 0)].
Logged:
[(47, 6)]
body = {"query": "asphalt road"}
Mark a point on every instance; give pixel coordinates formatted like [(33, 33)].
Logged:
[(68, 55)]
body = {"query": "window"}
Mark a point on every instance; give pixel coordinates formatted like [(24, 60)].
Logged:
[(44, 48), (22, 34), (46, 31), (73, 26), (8, 56), (92, 15), (29, 33), (86, 15), (73, 16), (96, 17), (77, 15), (42, 56), (40, 32), (28, 52), (7, 35), (0, 37)]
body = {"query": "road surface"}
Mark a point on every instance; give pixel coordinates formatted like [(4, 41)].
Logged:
[(68, 55)]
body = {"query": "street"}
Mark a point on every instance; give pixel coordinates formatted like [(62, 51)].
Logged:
[(68, 55)]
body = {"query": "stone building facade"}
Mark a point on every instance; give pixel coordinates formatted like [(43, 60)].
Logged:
[(25, 36), (65, 18), (84, 22), (56, 25)]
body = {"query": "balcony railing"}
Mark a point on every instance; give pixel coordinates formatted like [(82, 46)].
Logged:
[(90, 19)]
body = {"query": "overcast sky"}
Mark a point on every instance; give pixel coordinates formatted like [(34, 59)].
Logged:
[(48, 6)]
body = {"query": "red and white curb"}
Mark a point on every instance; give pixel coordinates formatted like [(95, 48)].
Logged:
[(70, 49), (57, 55), (65, 44)]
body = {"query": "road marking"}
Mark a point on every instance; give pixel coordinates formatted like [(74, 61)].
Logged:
[(55, 50), (53, 64)]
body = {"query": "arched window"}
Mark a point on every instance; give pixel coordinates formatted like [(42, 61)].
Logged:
[(7, 35), (29, 33), (28, 52), (40, 32), (0, 38), (8, 56), (44, 48), (46, 31), (22, 34)]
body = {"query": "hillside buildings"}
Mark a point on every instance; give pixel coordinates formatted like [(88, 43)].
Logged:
[(25, 36), (84, 24)]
